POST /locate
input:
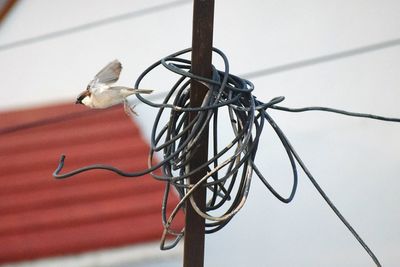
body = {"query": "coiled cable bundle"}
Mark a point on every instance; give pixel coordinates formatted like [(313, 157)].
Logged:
[(230, 168)]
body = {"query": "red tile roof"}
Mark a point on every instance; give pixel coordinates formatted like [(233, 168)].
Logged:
[(41, 216)]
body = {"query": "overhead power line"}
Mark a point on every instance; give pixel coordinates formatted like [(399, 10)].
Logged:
[(93, 24), (323, 59)]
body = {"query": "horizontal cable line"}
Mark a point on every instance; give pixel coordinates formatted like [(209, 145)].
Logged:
[(93, 24), (323, 59)]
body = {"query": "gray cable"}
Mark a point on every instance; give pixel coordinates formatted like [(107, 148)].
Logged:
[(230, 169)]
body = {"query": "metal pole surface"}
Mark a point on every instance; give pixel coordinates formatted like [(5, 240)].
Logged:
[(202, 35)]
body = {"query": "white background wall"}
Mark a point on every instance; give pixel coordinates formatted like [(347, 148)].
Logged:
[(357, 161)]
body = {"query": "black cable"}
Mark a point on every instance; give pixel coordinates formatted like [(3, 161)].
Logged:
[(218, 184), (230, 169), (322, 193), (339, 111)]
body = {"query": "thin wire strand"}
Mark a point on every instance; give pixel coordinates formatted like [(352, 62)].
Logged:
[(232, 164), (92, 25), (339, 111), (323, 59), (64, 117)]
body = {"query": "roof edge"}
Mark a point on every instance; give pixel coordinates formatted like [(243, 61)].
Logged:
[(128, 255)]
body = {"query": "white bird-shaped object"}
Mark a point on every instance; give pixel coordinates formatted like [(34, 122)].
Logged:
[(100, 93)]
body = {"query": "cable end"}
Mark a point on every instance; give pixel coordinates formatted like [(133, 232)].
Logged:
[(59, 168)]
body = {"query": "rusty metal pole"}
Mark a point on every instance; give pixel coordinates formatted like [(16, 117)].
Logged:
[(202, 36)]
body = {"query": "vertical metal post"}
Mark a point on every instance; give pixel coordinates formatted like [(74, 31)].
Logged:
[(202, 35)]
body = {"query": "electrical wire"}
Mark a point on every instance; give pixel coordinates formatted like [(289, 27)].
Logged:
[(44, 122), (230, 168), (92, 25), (324, 58), (62, 118)]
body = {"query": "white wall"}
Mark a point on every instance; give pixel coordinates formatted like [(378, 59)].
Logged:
[(355, 160)]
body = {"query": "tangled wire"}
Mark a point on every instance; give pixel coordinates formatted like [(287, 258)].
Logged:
[(230, 169)]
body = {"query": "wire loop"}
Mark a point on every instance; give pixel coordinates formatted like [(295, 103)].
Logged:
[(230, 167)]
